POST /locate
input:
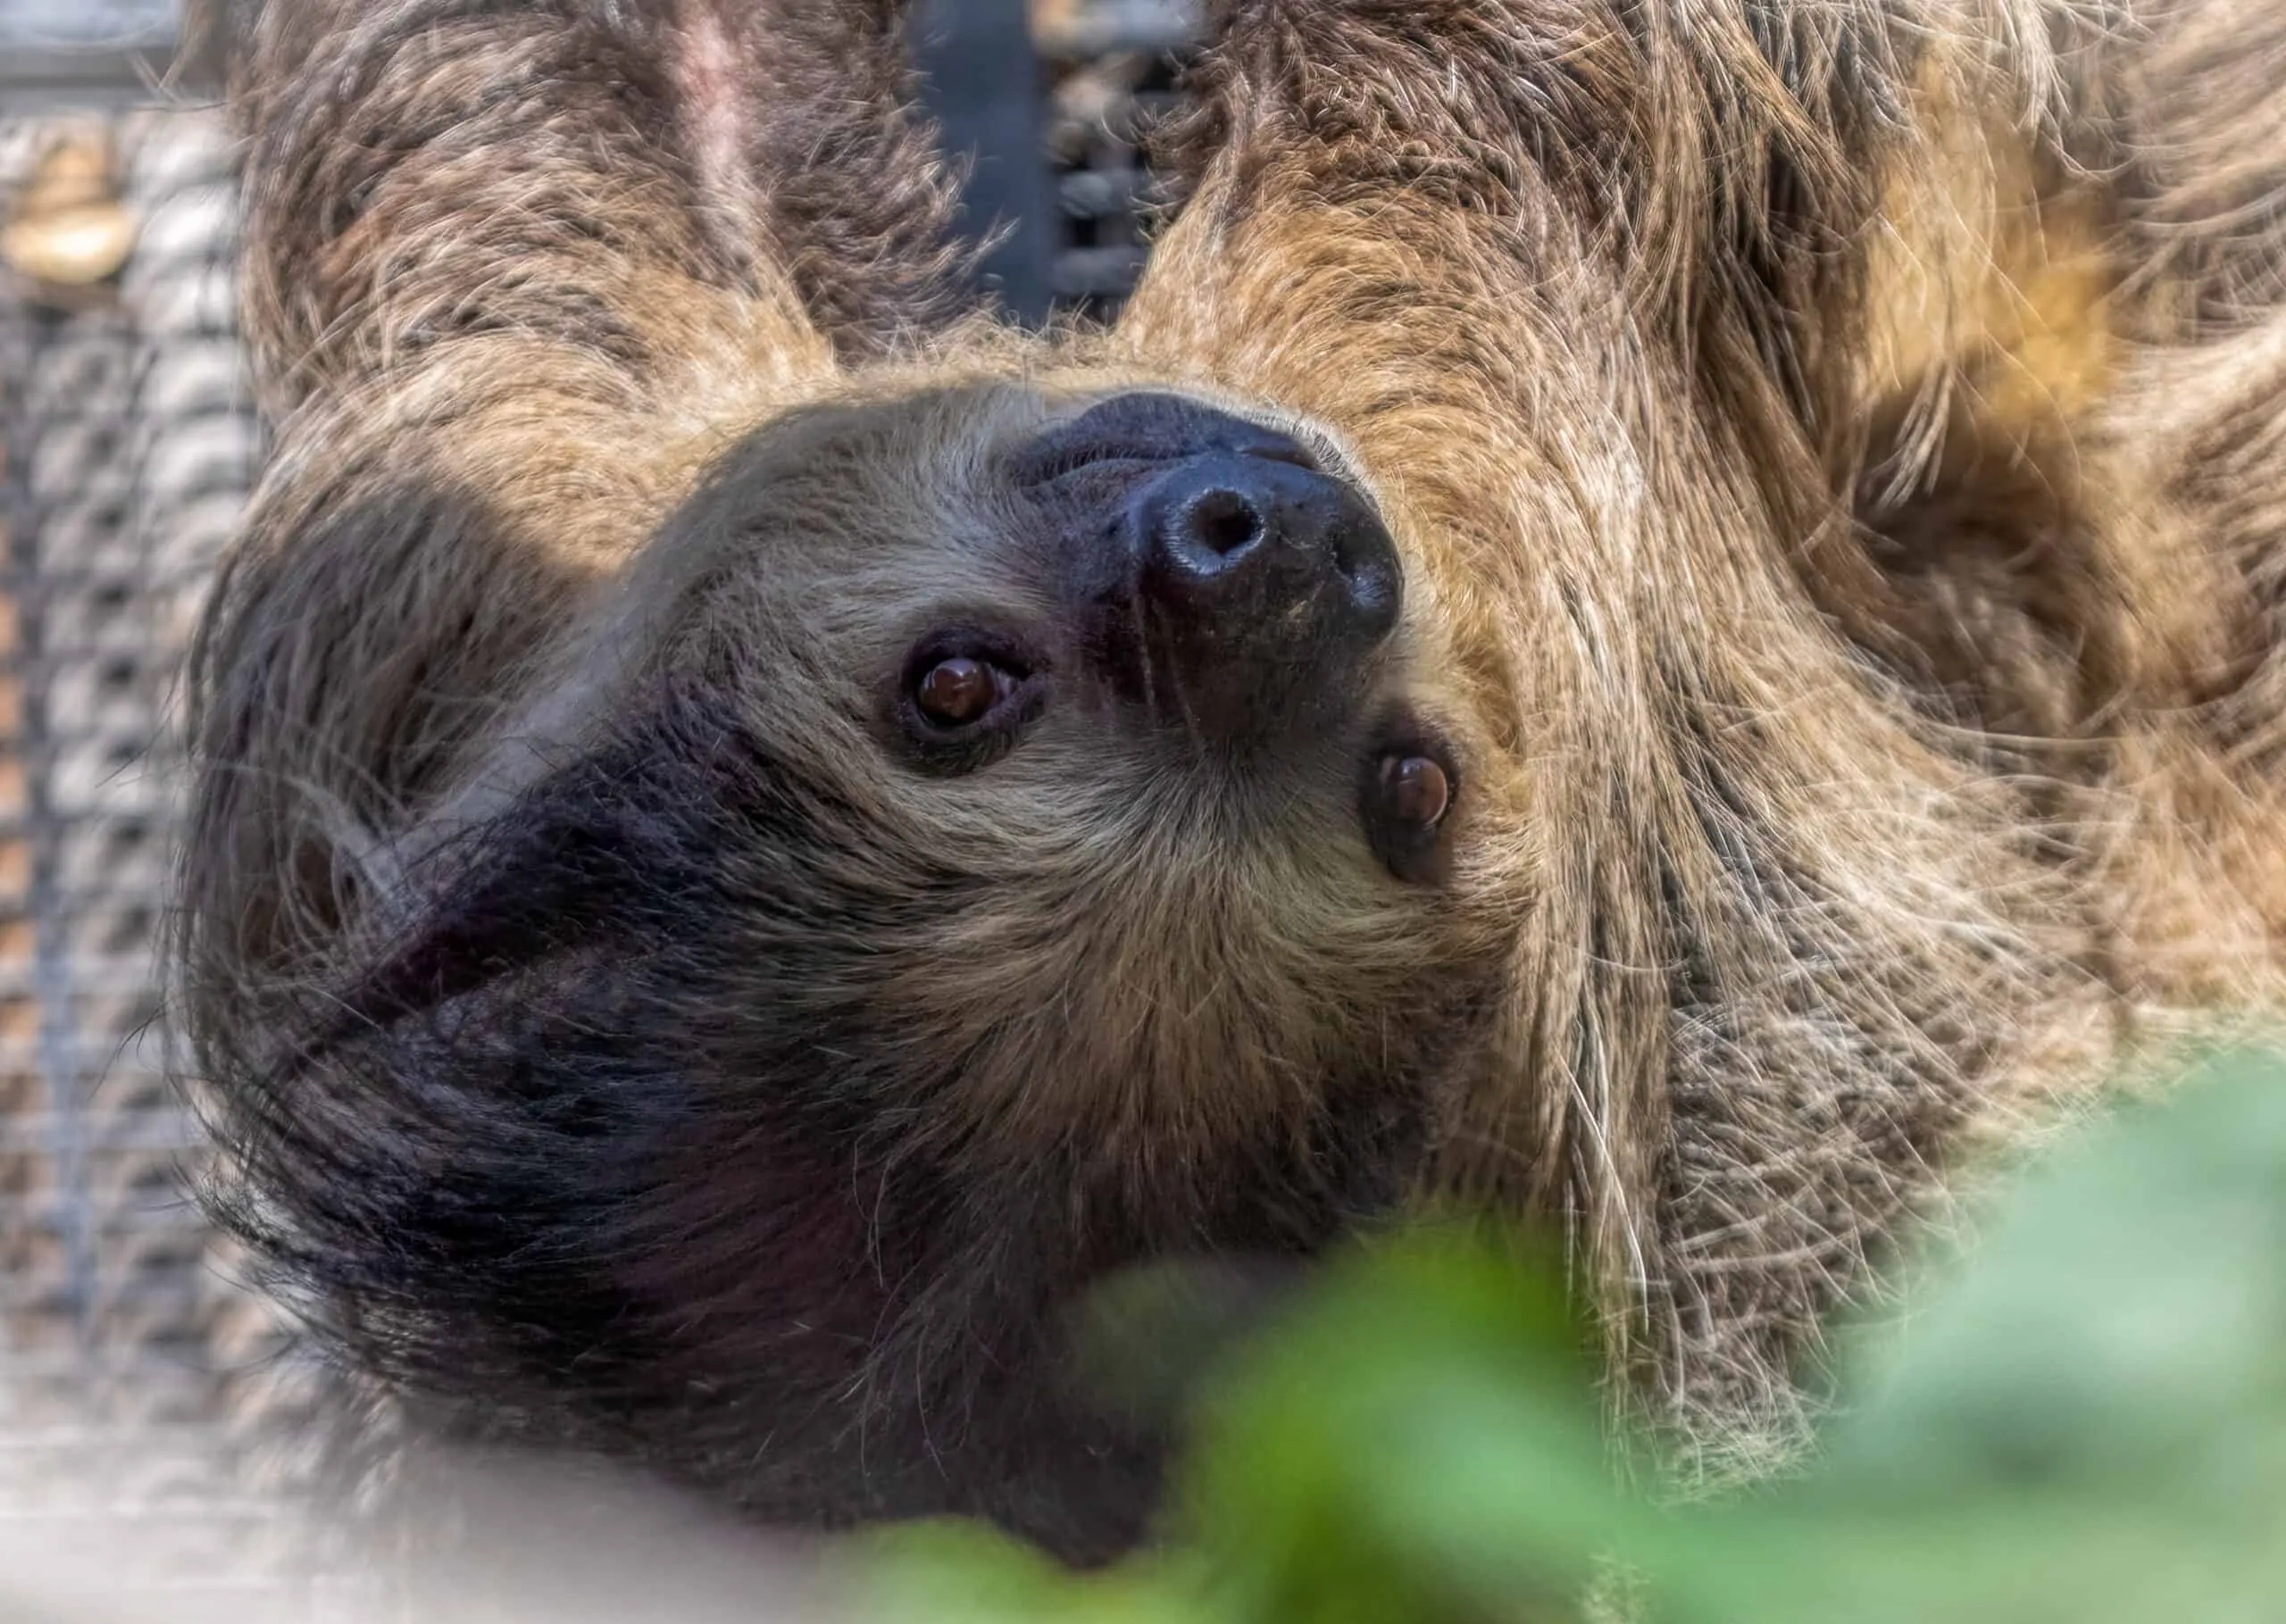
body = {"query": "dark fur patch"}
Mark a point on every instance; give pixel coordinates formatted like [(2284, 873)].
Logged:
[(604, 1151)]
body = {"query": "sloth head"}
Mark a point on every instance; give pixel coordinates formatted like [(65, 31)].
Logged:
[(986, 838)]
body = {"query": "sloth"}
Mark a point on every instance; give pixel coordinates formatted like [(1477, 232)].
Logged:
[(1660, 621)]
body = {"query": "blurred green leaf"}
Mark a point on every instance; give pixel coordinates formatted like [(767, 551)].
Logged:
[(2125, 1314), (1421, 1435), (2083, 1418)]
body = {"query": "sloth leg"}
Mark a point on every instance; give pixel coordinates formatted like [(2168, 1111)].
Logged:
[(423, 169)]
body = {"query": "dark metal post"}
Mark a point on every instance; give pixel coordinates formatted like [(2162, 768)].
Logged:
[(984, 87)]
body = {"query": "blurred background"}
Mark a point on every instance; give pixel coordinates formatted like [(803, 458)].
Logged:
[(134, 1381)]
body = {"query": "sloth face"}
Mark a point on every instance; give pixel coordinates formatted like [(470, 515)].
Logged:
[(986, 838), (1119, 808)]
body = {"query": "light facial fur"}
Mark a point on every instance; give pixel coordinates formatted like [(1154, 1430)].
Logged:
[(1834, 456)]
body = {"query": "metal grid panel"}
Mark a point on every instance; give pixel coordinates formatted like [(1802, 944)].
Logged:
[(1111, 67), (131, 1374), (84, 21), (70, 53), (129, 1367)]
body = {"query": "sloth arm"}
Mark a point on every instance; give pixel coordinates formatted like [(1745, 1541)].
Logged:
[(507, 269), (1476, 236), (1578, 281)]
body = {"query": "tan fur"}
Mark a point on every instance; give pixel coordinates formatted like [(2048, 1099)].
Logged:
[(1840, 470)]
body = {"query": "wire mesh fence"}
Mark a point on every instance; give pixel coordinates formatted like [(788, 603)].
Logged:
[(129, 1365), (135, 1380)]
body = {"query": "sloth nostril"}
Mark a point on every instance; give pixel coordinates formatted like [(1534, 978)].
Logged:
[(1223, 523), (1224, 582)]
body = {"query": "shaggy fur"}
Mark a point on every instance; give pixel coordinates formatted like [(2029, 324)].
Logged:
[(1837, 451)]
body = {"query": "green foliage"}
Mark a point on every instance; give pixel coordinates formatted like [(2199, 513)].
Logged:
[(2082, 1419)]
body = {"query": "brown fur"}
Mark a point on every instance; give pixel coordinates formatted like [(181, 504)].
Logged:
[(1836, 451)]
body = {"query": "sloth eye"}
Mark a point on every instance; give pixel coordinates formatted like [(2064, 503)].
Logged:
[(964, 696), (1407, 794), (955, 692), (1415, 790)]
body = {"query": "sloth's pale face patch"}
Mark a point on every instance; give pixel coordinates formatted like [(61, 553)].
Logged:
[(1211, 579), (1137, 593)]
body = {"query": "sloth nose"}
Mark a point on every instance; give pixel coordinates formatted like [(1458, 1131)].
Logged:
[(1225, 584), (1262, 583)]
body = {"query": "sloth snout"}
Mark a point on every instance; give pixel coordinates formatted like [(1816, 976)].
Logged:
[(1262, 586), (1231, 586)]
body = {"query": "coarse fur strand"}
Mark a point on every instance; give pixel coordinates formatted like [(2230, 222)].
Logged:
[(1837, 450)]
